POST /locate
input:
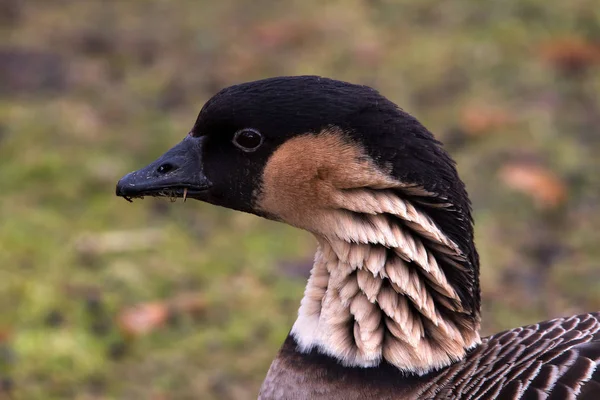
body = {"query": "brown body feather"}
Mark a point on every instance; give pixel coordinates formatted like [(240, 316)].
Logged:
[(557, 359)]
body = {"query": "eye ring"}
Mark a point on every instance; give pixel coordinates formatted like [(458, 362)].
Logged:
[(248, 139)]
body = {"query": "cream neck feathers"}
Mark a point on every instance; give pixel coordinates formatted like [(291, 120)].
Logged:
[(378, 291)]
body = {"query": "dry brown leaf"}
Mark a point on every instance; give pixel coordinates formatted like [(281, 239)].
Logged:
[(479, 120), (570, 53), (545, 188), (188, 304), (281, 33), (143, 318), (368, 52), (5, 334)]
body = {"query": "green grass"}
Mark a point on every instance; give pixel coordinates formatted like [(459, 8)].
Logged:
[(120, 82)]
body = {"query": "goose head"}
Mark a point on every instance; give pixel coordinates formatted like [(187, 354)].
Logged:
[(395, 278)]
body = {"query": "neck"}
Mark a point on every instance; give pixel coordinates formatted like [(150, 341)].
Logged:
[(388, 284)]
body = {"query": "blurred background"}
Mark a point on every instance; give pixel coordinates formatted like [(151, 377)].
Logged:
[(102, 299)]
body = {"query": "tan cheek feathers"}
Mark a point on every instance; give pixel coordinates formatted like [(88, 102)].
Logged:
[(303, 176)]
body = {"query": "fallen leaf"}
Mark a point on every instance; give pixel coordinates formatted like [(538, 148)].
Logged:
[(142, 318), (570, 53), (368, 52), (187, 304), (281, 33), (5, 334), (478, 120), (539, 183)]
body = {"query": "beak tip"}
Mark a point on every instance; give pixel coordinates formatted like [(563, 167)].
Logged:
[(121, 188), (120, 191)]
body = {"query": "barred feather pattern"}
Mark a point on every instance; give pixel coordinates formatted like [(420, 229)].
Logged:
[(552, 360), (377, 290), (556, 359)]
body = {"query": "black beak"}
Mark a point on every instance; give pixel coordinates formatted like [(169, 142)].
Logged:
[(177, 173)]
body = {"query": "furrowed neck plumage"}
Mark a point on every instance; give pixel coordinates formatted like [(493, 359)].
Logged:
[(378, 290), (388, 284)]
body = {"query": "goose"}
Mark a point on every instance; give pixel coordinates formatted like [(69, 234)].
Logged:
[(391, 309)]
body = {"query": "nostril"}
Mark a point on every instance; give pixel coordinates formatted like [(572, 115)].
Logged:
[(164, 168)]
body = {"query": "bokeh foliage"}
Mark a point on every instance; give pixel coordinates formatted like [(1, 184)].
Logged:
[(90, 90)]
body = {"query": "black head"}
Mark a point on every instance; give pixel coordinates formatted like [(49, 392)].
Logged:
[(329, 131), (270, 112)]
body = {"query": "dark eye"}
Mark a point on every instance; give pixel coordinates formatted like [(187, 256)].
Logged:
[(248, 139)]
